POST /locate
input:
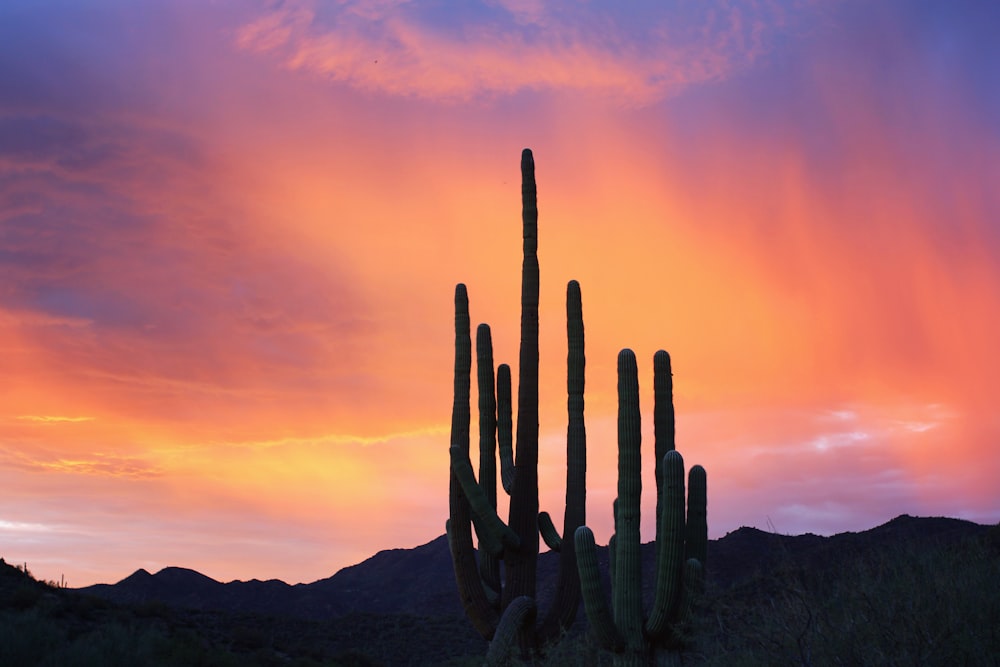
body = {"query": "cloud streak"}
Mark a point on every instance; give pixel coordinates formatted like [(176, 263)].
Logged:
[(635, 55)]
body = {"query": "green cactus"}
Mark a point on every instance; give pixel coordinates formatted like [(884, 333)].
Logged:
[(516, 542), (681, 542)]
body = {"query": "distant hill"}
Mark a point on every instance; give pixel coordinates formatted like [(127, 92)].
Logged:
[(420, 581)]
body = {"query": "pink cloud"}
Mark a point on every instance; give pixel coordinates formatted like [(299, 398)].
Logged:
[(634, 56)]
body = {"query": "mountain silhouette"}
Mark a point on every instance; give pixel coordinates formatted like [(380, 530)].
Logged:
[(420, 581)]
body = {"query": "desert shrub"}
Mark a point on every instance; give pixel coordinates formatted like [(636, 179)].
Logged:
[(111, 645), (247, 637), (26, 638), (24, 596), (908, 605)]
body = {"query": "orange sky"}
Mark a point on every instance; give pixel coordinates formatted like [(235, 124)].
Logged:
[(229, 239)]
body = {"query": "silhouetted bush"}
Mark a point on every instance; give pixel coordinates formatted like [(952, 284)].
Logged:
[(907, 605)]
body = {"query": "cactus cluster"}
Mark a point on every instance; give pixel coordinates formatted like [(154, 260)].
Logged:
[(504, 609), (506, 613), (681, 541)]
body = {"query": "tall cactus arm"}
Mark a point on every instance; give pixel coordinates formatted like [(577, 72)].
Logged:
[(521, 566), (566, 603), (477, 606), (576, 430), (613, 561), (696, 539), (670, 557), (505, 428), (487, 413), (594, 603), (627, 589), (518, 615), (613, 547), (460, 410), (489, 564), (663, 421)]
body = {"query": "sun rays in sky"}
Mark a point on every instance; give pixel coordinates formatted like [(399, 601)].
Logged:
[(230, 234)]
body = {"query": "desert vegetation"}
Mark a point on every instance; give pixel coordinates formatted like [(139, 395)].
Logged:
[(878, 598), (904, 603), (49, 626)]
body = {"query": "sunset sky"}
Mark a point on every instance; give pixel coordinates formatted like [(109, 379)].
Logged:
[(230, 234)]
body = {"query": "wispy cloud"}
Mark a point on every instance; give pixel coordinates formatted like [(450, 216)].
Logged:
[(24, 527), (33, 458), (102, 465), (53, 419), (635, 55), (431, 432)]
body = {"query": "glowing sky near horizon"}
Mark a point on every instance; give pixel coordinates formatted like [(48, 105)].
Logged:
[(230, 234)]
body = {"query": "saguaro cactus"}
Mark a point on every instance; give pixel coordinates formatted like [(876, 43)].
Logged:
[(681, 543), (516, 542)]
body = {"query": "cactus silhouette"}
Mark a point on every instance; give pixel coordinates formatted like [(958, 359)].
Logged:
[(681, 543), (508, 611)]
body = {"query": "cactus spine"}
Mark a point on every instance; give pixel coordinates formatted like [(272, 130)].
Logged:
[(516, 542), (681, 542)]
